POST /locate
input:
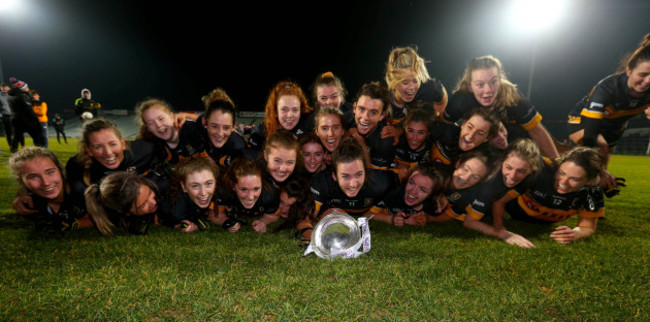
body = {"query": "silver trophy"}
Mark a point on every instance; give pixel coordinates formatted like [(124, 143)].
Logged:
[(339, 235)]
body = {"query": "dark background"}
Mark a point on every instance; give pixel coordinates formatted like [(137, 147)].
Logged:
[(126, 51)]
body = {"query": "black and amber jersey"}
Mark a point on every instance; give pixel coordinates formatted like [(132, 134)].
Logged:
[(234, 148), (394, 203), (174, 210), (328, 193), (460, 201), (431, 92), (517, 119), (381, 150), (190, 142), (48, 219), (542, 202), (444, 146), (258, 135), (481, 197), (138, 159), (407, 157), (267, 203), (607, 109)]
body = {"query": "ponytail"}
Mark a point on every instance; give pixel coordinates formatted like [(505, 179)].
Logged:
[(97, 211), (640, 55)]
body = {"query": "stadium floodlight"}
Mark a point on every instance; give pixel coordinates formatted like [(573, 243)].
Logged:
[(531, 17), (535, 15)]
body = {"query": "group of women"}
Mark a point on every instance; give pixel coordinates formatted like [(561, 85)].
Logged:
[(403, 152)]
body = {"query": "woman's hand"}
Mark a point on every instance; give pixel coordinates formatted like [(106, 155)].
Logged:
[(607, 180), (398, 219), (564, 235), (391, 131), (235, 227), (418, 219), (23, 204), (259, 226), (515, 239), (190, 227)]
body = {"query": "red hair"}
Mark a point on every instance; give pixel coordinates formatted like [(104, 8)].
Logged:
[(283, 88)]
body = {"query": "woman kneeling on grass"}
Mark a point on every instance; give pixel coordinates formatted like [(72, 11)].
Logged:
[(122, 199), (564, 188), (190, 201), (45, 194), (244, 196)]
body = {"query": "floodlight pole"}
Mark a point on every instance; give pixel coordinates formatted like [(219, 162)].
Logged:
[(532, 71)]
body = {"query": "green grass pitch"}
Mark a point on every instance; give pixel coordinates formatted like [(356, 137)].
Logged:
[(437, 272)]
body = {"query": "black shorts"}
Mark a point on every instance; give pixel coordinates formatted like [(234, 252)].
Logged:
[(611, 136)]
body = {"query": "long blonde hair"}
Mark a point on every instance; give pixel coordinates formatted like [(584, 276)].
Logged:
[(88, 129), (403, 59)]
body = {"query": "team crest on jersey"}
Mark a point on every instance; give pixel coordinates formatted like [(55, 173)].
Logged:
[(454, 196), (367, 202), (130, 169), (190, 149)]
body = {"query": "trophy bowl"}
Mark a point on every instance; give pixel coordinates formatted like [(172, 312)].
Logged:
[(335, 232)]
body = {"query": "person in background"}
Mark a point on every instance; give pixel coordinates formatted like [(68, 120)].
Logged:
[(59, 126), (86, 104), (23, 118), (40, 109), (5, 110)]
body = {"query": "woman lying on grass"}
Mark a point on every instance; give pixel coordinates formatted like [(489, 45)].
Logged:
[(297, 209), (521, 163), (103, 150), (473, 167), (122, 199), (411, 202), (564, 188), (190, 200), (44, 196), (245, 195)]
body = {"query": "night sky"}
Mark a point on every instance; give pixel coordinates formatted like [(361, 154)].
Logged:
[(126, 51)]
